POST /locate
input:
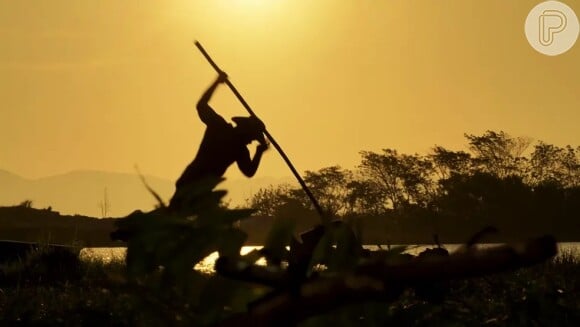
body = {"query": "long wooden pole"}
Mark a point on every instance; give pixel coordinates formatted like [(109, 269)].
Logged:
[(269, 136)]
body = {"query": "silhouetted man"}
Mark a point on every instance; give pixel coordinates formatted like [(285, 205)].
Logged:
[(221, 146)]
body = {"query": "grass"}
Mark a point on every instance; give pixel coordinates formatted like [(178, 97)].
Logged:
[(38, 291), (544, 295)]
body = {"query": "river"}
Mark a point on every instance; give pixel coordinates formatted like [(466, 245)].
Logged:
[(206, 265)]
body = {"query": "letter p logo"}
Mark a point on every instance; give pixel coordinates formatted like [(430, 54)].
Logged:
[(551, 22), (552, 28)]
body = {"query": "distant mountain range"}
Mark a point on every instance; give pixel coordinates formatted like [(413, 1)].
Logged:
[(83, 192)]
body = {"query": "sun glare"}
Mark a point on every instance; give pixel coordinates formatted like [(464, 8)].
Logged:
[(252, 3), (249, 7)]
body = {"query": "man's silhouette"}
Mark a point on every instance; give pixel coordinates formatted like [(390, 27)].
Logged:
[(221, 146)]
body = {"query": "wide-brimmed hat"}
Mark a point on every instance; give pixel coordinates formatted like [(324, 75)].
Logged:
[(251, 125)]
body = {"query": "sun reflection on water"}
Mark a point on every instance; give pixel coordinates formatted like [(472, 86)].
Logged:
[(206, 266)]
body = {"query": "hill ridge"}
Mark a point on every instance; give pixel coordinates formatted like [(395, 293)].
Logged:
[(82, 191)]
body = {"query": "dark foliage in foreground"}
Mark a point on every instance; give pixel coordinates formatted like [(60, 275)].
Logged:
[(99, 295), (157, 286)]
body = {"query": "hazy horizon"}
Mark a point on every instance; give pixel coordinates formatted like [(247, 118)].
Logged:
[(83, 191)]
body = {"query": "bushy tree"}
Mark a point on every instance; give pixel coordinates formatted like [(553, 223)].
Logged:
[(365, 197), (550, 163), (330, 186), (448, 162), (402, 179), (498, 153), (492, 182), (267, 200)]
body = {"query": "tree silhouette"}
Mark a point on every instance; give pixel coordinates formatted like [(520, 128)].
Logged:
[(330, 186), (498, 153), (447, 162), (403, 179)]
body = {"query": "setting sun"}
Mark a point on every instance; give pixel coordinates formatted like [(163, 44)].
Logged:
[(247, 8)]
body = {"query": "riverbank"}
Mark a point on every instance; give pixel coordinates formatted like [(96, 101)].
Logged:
[(42, 225)]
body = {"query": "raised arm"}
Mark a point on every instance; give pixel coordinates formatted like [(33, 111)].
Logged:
[(205, 112)]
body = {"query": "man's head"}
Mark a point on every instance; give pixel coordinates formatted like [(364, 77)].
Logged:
[(250, 129)]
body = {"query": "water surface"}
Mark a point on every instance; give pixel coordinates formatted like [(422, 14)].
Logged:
[(206, 265)]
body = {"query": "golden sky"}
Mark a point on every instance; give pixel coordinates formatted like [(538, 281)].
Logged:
[(110, 84)]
